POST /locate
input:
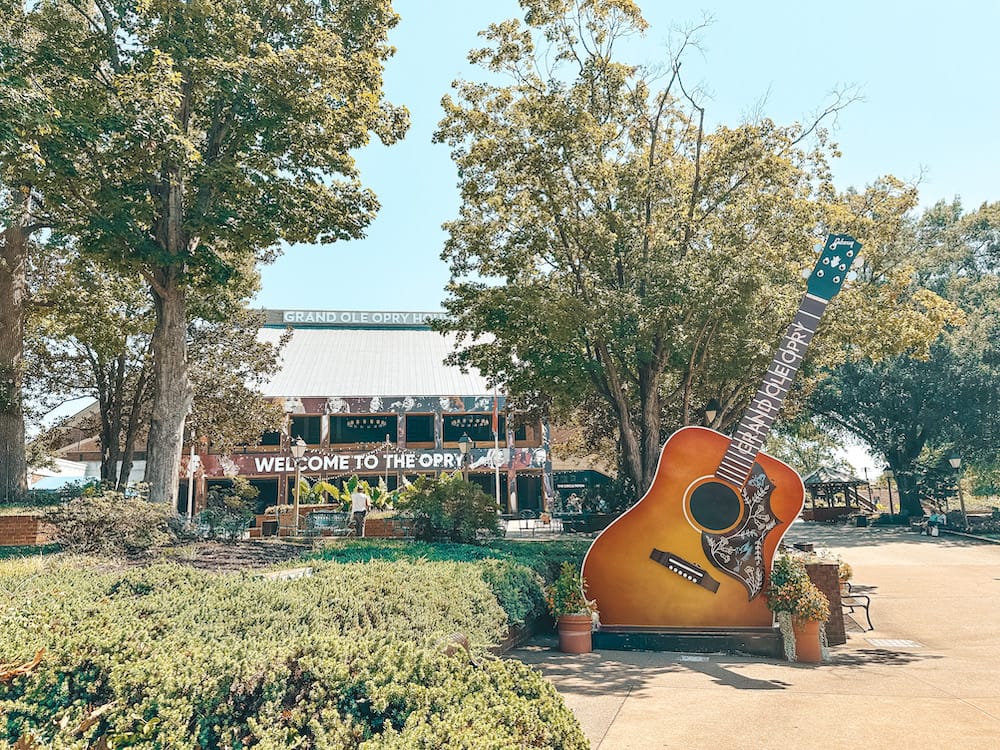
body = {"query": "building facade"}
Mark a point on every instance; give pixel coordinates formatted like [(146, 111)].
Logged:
[(370, 394)]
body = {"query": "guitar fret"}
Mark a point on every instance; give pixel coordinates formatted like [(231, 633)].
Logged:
[(752, 431), (731, 465), (741, 463), (731, 476)]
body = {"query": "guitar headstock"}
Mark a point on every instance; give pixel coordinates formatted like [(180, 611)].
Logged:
[(835, 261)]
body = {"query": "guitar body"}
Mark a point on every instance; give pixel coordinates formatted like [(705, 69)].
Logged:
[(643, 569)]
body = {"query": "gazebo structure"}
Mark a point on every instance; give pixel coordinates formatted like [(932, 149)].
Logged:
[(834, 495)]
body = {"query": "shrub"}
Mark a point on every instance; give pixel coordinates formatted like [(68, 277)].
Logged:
[(451, 508), (228, 509), (110, 523), (518, 589), (167, 656)]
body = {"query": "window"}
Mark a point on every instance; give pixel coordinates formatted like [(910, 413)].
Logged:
[(308, 428), (362, 428), (270, 438), (268, 496), (477, 426), (419, 428)]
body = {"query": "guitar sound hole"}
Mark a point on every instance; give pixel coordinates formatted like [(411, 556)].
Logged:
[(714, 506)]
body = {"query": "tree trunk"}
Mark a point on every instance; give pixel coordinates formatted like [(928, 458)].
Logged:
[(909, 495), (172, 392), (133, 427), (650, 400), (13, 299)]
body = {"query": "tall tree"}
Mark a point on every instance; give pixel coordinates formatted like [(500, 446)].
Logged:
[(91, 338), (25, 110), (915, 407), (200, 135), (622, 258)]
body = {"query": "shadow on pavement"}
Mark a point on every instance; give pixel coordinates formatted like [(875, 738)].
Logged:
[(880, 656), (839, 535)]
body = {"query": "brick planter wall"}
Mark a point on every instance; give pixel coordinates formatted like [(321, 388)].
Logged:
[(826, 576), (23, 530)]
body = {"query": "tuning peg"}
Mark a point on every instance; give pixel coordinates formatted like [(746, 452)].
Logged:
[(852, 275), (806, 273)]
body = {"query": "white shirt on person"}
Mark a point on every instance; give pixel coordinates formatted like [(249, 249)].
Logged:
[(359, 502)]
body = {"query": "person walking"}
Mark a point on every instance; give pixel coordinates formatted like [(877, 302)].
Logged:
[(359, 508)]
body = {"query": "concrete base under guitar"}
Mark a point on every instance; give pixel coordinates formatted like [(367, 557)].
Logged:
[(752, 641)]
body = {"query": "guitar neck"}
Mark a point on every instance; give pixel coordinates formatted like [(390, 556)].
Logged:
[(753, 430)]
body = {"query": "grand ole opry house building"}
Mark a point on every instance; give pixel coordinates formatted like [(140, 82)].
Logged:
[(370, 395)]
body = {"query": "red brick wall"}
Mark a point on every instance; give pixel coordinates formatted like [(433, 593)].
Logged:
[(22, 530), (826, 576)]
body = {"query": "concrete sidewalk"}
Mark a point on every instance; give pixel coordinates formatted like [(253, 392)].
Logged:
[(928, 676)]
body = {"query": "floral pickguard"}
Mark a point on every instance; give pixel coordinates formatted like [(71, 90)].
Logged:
[(739, 553)]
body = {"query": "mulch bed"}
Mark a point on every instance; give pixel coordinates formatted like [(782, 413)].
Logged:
[(224, 557)]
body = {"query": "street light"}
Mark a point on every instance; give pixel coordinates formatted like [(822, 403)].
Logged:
[(464, 443), (298, 448), (887, 473), (956, 463)]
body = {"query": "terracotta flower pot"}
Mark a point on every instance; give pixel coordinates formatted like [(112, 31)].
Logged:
[(574, 634), (807, 644)]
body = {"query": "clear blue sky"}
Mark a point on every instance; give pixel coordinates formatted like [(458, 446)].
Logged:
[(929, 73)]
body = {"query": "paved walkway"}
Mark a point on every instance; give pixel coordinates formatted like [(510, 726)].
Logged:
[(928, 676)]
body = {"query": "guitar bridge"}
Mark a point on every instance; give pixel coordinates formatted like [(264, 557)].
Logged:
[(686, 570)]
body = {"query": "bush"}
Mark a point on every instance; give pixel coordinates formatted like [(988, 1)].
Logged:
[(109, 523), (167, 656), (228, 509), (518, 589), (451, 508), (516, 571)]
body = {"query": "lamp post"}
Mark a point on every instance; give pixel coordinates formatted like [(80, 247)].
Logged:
[(190, 487), (298, 448), (956, 463), (464, 443), (887, 473), (385, 457)]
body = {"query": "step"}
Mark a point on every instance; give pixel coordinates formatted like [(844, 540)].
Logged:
[(753, 641)]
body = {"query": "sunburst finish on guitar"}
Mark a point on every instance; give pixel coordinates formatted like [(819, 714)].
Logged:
[(696, 550), (685, 505)]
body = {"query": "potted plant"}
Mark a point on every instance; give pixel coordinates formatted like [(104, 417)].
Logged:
[(844, 573), (574, 613), (800, 609)]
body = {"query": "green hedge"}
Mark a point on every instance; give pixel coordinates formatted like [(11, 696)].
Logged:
[(516, 572), (352, 657)]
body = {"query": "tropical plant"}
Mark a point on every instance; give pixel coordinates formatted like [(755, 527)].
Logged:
[(565, 595)]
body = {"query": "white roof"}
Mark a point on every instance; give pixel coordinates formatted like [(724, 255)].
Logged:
[(346, 362)]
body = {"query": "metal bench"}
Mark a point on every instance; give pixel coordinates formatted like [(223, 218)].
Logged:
[(850, 599), (329, 523)]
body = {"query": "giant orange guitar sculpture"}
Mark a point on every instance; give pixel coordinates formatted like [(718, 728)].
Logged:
[(696, 550)]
